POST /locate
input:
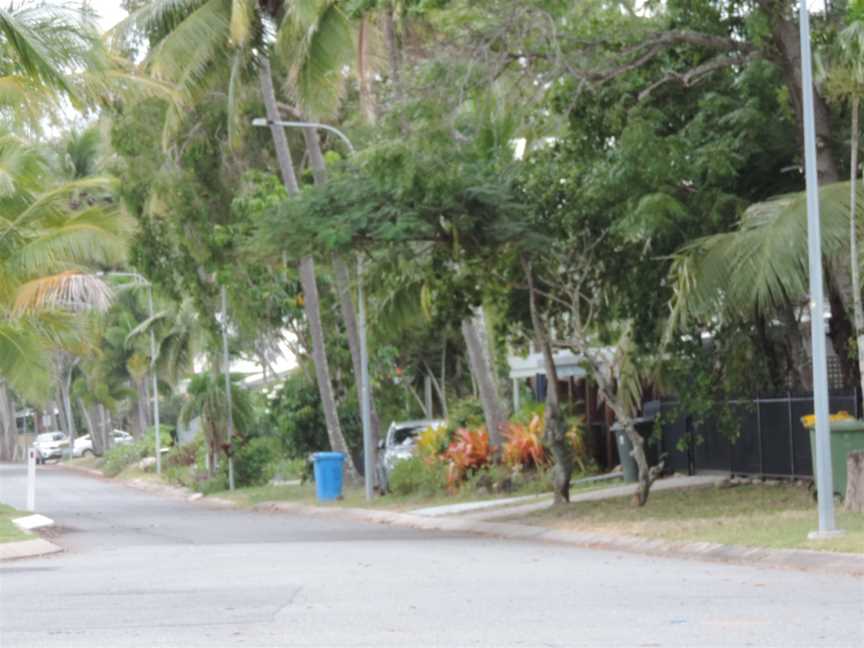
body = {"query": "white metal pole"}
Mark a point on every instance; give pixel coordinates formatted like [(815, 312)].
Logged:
[(824, 478), (31, 479), (156, 427), (227, 372), (368, 467)]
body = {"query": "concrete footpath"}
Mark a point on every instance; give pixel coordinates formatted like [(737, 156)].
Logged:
[(29, 548), (462, 519)]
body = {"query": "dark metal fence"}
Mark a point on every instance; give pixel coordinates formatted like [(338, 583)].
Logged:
[(772, 441)]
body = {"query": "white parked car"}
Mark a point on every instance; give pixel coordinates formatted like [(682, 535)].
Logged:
[(400, 444), (50, 445), (83, 445)]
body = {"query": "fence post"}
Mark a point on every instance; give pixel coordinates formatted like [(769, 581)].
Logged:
[(791, 434), (759, 436)]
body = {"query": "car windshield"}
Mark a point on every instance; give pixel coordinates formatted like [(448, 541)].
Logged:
[(405, 435), (49, 436)]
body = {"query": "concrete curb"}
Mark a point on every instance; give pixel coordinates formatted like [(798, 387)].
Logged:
[(27, 549), (843, 564)]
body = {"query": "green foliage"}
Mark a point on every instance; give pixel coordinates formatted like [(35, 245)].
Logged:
[(432, 442), (255, 461), (465, 413), (416, 476), (121, 457), (297, 419)]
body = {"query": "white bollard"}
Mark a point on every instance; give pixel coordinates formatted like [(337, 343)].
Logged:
[(31, 479)]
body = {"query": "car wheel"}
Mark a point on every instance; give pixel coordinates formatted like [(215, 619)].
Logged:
[(87, 453)]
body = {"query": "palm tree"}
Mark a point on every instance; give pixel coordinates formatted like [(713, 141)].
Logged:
[(41, 44), (45, 245), (202, 41), (845, 79), (761, 267), (206, 399)]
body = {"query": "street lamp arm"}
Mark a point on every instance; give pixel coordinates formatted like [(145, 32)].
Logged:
[(263, 121)]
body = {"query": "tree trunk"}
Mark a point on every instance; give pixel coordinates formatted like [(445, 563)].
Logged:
[(787, 41), (105, 429), (322, 370), (855, 482), (141, 404), (391, 40), (367, 99), (311, 304), (494, 412), (92, 428), (853, 244), (553, 426), (8, 425)]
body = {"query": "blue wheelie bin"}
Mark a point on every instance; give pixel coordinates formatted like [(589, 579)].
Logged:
[(328, 467)]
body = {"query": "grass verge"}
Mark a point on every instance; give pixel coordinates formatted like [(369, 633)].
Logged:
[(8, 531), (777, 517), (355, 496)]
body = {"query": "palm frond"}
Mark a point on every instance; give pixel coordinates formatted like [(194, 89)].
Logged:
[(315, 38), (762, 263), (65, 291)]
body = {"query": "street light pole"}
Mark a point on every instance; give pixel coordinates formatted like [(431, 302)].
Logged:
[(227, 371), (156, 423), (365, 405), (824, 478)]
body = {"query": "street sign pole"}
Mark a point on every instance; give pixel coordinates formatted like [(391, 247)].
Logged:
[(824, 478), (31, 479)]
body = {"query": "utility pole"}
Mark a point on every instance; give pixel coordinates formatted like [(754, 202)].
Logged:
[(824, 478)]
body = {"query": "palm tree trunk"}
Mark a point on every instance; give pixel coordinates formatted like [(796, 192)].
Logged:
[(141, 402), (311, 302), (854, 261), (8, 426), (105, 428), (483, 370), (394, 55)]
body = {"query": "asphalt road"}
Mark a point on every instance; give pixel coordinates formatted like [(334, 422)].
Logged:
[(142, 570)]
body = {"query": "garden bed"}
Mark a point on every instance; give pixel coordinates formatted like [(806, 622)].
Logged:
[(773, 516)]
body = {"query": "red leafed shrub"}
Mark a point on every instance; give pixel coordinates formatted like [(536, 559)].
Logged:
[(524, 446), (468, 451)]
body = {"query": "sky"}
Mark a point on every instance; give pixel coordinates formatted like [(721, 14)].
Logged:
[(110, 12)]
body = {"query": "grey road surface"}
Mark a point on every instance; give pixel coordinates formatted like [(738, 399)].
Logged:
[(142, 570)]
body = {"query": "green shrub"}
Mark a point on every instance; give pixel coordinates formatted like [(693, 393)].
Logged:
[(415, 476), (181, 456), (122, 456), (465, 413), (215, 484), (166, 440), (255, 460), (181, 475), (285, 468)]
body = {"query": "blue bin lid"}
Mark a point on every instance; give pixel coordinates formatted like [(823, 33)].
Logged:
[(328, 456)]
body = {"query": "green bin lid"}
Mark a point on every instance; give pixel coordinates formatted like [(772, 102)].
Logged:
[(849, 425)]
